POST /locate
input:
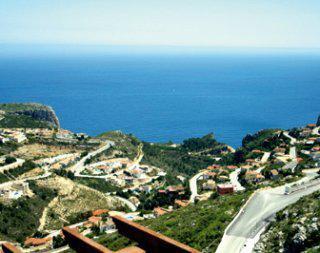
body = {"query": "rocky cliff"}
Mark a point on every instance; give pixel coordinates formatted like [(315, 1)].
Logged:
[(36, 111), (44, 114)]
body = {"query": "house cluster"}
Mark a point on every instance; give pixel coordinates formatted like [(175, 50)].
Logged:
[(14, 191), (59, 161), (63, 163), (252, 173), (308, 130), (7, 135), (65, 136), (313, 150), (309, 134), (159, 211), (106, 167), (99, 219), (38, 244), (133, 175), (172, 189), (176, 193), (253, 176), (214, 175)]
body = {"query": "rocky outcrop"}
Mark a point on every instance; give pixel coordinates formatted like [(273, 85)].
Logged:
[(36, 111), (43, 114), (318, 122)]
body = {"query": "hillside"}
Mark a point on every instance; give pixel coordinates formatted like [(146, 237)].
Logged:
[(27, 115), (72, 201), (20, 218), (199, 225), (188, 158), (126, 145), (296, 229)]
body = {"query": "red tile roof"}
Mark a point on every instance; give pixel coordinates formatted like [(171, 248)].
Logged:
[(181, 203), (232, 167), (159, 211), (98, 212), (94, 219), (37, 241)]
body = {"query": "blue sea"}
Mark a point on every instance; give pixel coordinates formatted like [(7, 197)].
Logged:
[(161, 95)]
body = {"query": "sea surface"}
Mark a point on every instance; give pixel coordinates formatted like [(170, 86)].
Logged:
[(168, 96)]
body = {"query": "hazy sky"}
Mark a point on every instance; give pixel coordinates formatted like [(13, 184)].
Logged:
[(227, 23)]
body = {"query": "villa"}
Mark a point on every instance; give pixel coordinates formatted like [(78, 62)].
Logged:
[(223, 189), (253, 176)]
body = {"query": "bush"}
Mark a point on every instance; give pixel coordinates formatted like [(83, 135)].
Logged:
[(64, 173), (58, 242), (25, 167), (10, 159), (20, 219), (197, 144)]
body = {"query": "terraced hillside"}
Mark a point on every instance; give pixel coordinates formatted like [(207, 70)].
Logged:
[(72, 202)]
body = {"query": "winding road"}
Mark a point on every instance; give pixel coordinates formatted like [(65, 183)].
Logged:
[(128, 203), (292, 140), (241, 234), (79, 166), (193, 186)]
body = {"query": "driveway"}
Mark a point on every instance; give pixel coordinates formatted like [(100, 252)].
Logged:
[(193, 186), (234, 180)]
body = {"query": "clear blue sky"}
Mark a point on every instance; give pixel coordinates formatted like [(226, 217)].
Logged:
[(226, 23)]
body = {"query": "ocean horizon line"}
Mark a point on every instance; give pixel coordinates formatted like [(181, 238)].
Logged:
[(74, 48)]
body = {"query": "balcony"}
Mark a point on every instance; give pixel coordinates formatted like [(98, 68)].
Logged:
[(148, 241)]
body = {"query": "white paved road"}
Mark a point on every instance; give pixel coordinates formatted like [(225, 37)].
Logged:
[(265, 157), (193, 186), (263, 205), (79, 166), (315, 131), (128, 203), (292, 139), (293, 152), (234, 180)]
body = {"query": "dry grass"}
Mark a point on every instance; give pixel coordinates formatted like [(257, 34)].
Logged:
[(36, 151), (32, 173), (72, 199)]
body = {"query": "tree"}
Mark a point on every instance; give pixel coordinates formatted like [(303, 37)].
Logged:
[(239, 156), (58, 242), (197, 144), (95, 230), (10, 159)]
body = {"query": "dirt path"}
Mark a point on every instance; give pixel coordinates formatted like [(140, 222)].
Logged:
[(43, 218), (139, 155)]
